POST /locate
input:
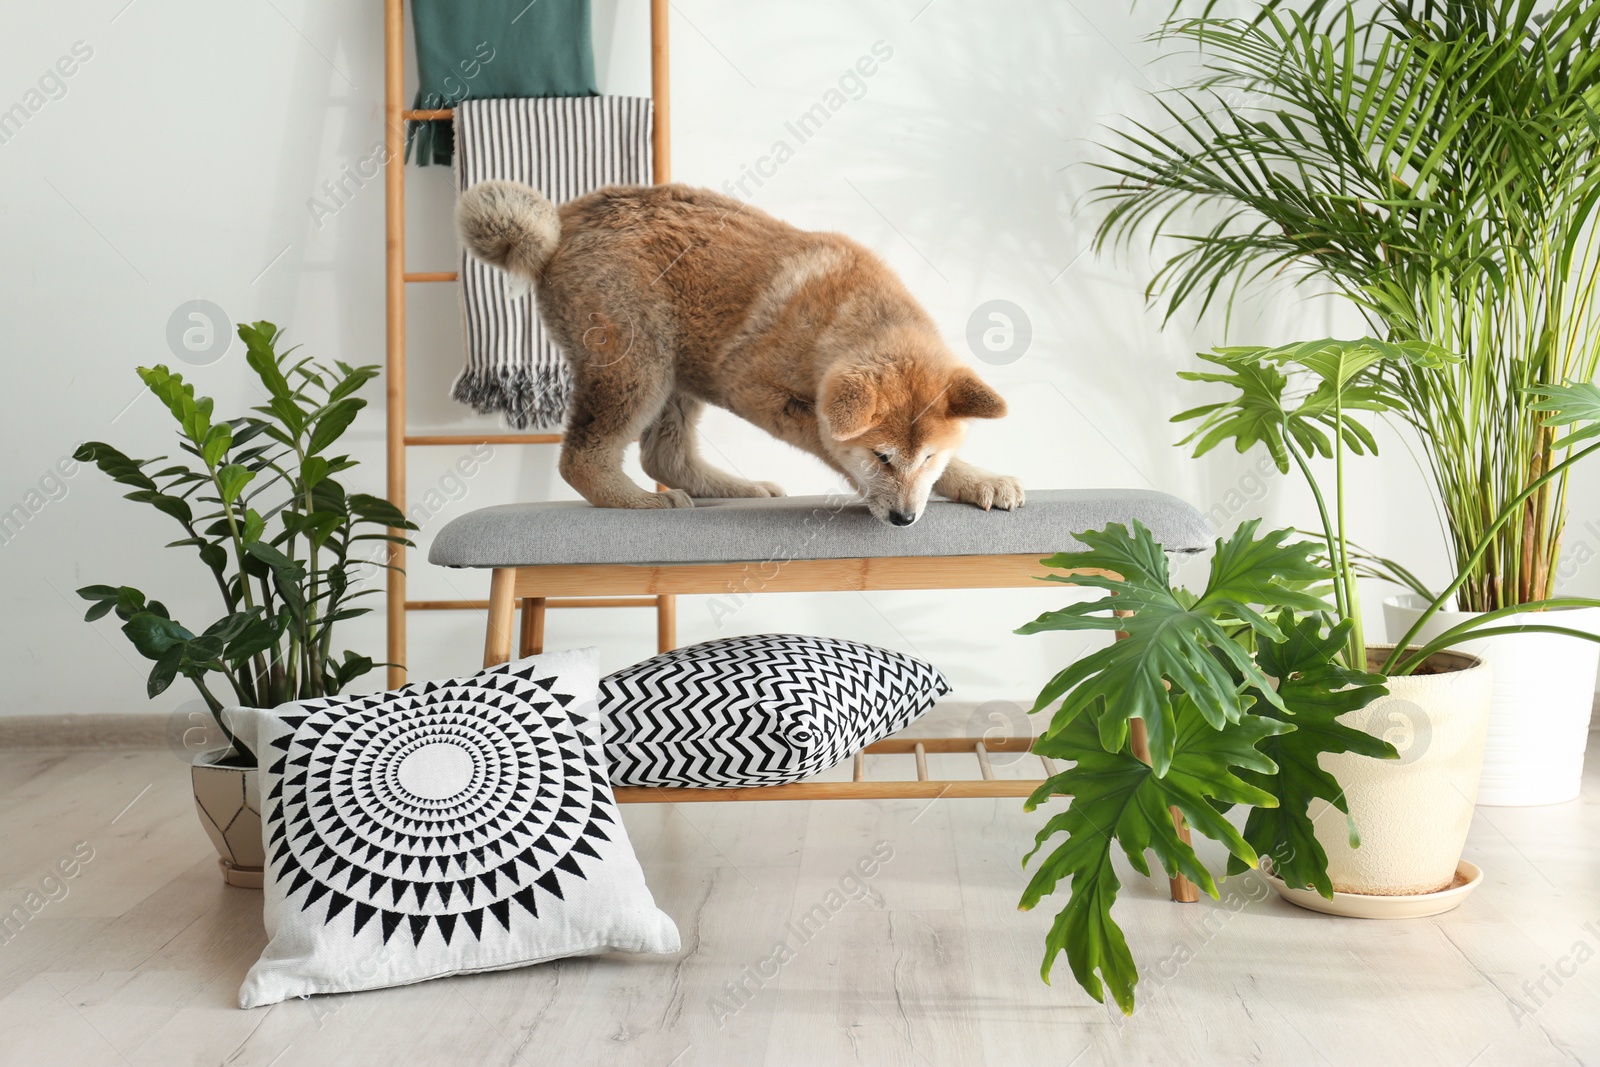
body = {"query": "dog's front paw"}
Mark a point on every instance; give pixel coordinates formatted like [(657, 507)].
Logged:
[(992, 491), (769, 488), (671, 498)]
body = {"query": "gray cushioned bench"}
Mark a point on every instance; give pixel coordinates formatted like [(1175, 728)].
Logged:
[(805, 527), (569, 549), (793, 544)]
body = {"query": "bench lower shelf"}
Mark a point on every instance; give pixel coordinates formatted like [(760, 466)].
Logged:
[(922, 787)]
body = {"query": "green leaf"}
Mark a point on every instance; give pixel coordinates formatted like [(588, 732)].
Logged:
[(1315, 690), (102, 597), (254, 525), (232, 479), (333, 421), (258, 636), (378, 510), (1173, 644), (312, 471), (153, 635), (165, 670), (1339, 362), (175, 506), (218, 440), (269, 555), (193, 415), (259, 338), (119, 467), (1117, 797), (290, 414), (1569, 404), (1256, 416)]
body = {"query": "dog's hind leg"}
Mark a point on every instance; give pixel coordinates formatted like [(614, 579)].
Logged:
[(670, 454), (613, 403)]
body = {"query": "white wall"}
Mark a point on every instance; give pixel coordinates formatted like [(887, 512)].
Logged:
[(179, 161)]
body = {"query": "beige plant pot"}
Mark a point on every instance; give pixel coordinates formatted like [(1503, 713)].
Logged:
[(228, 800), (1412, 813)]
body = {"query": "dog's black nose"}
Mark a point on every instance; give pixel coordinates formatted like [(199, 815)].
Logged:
[(902, 518)]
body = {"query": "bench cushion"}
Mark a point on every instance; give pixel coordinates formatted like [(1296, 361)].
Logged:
[(801, 527)]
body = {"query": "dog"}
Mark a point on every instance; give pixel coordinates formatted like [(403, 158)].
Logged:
[(666, 298)]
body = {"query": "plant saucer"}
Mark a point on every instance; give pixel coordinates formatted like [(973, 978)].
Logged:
[(1368, 906)]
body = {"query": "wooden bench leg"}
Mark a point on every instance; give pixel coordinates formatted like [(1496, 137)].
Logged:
[(532, 642), (1183, 891), (502, 616), (666, 622)]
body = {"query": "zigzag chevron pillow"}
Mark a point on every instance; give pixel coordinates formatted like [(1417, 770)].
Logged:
[(758, 710), (442, 828)]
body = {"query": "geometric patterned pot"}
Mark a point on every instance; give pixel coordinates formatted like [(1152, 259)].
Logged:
[(228, 801)]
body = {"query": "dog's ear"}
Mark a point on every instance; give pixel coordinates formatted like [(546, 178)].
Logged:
[(967, 397), (850, 402)]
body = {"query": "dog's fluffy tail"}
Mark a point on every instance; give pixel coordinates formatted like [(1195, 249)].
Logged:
[(509, 225)]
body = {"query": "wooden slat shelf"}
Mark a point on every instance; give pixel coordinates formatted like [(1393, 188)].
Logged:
[(413, 440), (559, 602), (861, 788)]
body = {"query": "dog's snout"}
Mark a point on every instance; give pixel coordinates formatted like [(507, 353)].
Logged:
[(902, 518)]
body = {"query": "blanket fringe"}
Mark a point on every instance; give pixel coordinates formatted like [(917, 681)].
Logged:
[(527, 399)]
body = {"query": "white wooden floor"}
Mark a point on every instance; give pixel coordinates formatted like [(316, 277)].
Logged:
[(141, 960)]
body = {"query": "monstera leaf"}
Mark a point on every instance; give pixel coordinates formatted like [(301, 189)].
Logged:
[(1175, 642), (1315, 690), (1118, 798)]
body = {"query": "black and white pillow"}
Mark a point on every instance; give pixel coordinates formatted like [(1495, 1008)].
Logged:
[(442, 828), (762, 710)]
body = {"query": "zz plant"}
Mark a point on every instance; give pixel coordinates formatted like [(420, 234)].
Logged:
[(259, 504)]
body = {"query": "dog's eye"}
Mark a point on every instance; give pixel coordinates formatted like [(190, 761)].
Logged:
[(882, 458)]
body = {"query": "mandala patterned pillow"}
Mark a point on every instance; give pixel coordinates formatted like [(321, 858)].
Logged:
[(761, 710), (442, 828)]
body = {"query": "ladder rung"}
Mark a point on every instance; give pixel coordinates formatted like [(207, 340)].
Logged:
[(559, 602), (485, 439), (430, 276), (427, 114)]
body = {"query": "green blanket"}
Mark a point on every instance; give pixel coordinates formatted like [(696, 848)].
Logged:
[(494, 48)]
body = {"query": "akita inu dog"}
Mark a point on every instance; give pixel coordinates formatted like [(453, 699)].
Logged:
[(666, 298)]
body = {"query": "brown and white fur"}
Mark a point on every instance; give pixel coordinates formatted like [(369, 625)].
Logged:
[(667, 298)]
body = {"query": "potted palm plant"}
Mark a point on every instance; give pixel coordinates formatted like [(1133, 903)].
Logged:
[(281, 539), (1436, 165)]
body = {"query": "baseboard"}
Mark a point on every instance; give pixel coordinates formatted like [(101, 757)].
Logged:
[(144, 731), (137, 730)]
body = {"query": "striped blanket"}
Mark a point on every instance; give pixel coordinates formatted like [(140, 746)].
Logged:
[(564, 147)]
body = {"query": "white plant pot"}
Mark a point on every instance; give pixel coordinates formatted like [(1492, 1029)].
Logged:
[(1543, 699), (1412, 813), (228, 801)]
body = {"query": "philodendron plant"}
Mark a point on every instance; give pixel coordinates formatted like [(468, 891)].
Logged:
[(279, 535), (1235, 691)]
